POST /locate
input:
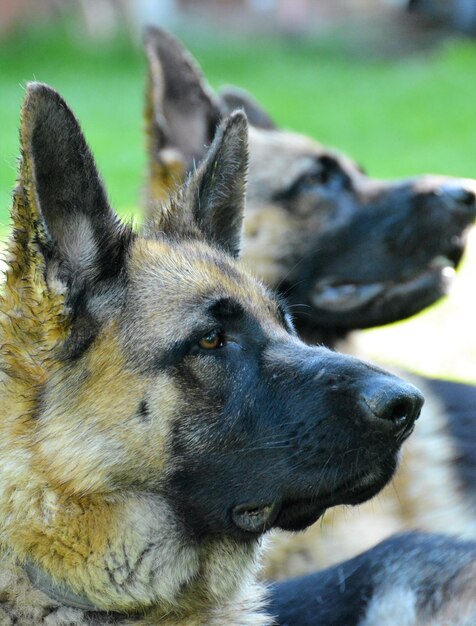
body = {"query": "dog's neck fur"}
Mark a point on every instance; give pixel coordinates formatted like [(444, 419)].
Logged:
[(141, 568), (137, 561), (21, 603)]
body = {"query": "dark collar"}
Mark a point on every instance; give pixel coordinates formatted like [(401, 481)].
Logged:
[(60, 593)]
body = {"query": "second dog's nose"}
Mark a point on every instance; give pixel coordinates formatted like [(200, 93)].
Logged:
[(462, 195), (391, 403)]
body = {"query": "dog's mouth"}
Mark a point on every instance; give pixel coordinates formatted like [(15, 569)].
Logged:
[(255, 518), (298, 513), (288, 515), (367, 304)]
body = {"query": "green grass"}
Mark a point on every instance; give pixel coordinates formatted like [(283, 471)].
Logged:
[(398, 117), (104, 87)]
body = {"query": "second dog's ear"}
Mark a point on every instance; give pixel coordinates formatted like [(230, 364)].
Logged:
[(182, 112), (232, 98), (215, 194)]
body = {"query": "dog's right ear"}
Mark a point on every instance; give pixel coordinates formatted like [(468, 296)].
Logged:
[(215, 194), (78, 236), (232, 98), (181, 112)]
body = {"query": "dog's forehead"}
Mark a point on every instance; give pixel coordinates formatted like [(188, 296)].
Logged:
[(176, 276), (278, 158), (280, 155)]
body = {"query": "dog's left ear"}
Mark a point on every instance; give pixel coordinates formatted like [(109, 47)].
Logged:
[(79, 236), (232, 98), (181, 111), (215, 194)]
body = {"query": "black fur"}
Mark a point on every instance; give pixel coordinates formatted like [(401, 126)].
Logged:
[(459, 401), (83, 243), (259, 426), (264, 421), (376, 247), (356, 257), (191, 121), (143, 411), (70, 190)]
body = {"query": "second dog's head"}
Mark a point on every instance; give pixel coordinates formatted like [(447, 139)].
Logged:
[(349, 250)]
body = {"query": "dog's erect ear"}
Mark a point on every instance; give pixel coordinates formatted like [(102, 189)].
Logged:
[(215, 194), (182, 112), (232, 98), (79, 235)]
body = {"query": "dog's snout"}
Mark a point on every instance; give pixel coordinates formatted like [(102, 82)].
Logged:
[(456, 195), (391, 403), (461, 195)]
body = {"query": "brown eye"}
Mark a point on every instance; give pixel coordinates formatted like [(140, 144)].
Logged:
[(212, 341)]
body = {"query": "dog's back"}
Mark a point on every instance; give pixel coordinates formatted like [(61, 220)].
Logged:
[(410, 579)]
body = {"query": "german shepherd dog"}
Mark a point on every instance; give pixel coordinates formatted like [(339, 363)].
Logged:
[(159, 412), (348, 251)]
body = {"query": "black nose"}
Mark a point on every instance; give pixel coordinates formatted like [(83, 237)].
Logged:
[(461, 195), (391, 404)]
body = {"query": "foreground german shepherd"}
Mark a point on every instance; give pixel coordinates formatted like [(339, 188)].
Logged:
[(357, 252), (158, 412)]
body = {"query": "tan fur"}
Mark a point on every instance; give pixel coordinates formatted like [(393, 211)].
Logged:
[(435, 499), (73, 518), (166, 168), (23, 605), (272, 234), (342, 533), (432, 502)]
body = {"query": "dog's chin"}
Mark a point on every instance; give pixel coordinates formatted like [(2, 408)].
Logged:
[(353, 305), (298, 513)]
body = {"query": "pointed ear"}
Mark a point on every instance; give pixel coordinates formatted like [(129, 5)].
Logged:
[(215, 194), (232, 98), (79, 235), (182, 112)]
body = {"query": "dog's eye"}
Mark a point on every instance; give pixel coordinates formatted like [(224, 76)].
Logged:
[(212, 341), (320, 177)]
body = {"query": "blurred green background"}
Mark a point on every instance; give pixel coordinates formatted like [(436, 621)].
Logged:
[(398, 114)]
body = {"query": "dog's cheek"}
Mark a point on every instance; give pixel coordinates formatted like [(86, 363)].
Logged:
[(152, 422), (104, 415), (270, 241)]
